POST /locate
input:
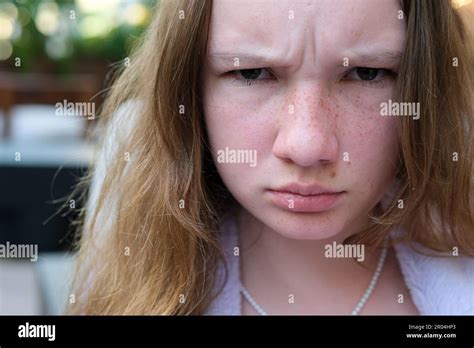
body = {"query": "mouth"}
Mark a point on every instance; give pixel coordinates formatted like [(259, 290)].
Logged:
[(305, 198)]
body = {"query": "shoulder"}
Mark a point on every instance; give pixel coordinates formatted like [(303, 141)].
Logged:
[(439, 285)]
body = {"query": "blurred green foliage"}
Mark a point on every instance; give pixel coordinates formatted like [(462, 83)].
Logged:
[(64, 35)]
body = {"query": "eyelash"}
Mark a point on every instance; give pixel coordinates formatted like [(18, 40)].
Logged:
[(249, 82), (373, 83), (387, 73)]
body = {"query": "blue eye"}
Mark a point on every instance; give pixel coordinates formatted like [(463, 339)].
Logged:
[(251, 76)]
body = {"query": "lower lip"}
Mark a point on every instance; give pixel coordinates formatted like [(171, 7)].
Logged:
[(305, 204)]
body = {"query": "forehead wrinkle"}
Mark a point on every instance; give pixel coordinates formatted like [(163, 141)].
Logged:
[(261, 44), (269, 53), (265, 30)]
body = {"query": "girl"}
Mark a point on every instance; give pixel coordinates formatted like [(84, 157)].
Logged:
[(286, 157)]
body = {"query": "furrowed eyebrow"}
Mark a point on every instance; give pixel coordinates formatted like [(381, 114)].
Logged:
[(362, 58), (227, 59), (377, 58)]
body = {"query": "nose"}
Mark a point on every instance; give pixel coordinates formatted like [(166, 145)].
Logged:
[(307, 136)]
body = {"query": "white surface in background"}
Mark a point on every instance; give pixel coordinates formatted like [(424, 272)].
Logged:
[(46, 153), (19, 290), (55, 272), (30, 122), (35, 288), (44, 139)]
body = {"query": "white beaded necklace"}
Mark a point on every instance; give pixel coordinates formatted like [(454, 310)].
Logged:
[(357, 308)]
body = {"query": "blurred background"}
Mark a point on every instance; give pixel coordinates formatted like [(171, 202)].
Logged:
[(55, 57)]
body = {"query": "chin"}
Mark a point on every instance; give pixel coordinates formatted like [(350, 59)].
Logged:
[(305, 226)]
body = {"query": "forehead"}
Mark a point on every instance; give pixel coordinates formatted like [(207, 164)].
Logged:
[(284, 24)]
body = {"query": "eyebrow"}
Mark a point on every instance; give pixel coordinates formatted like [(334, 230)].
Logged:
[(377, 57), (247, 59)]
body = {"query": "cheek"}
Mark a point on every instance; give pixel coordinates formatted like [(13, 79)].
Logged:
[(370, 139), (235, 121), (234, 125), (371, 142)]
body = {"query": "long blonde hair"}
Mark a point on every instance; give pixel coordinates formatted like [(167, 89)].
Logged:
[(149, 238)]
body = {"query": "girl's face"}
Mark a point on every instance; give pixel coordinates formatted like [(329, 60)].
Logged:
[(299, 85)]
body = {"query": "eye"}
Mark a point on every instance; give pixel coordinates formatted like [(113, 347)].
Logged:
[(251, 76), (369, 75)]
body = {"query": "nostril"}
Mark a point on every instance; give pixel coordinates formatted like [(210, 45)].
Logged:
[(324, 162), (285, 159)]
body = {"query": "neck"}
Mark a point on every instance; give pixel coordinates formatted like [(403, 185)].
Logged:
[(299, 267)]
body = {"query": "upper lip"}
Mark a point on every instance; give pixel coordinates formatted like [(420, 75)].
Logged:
[(304, 189)]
